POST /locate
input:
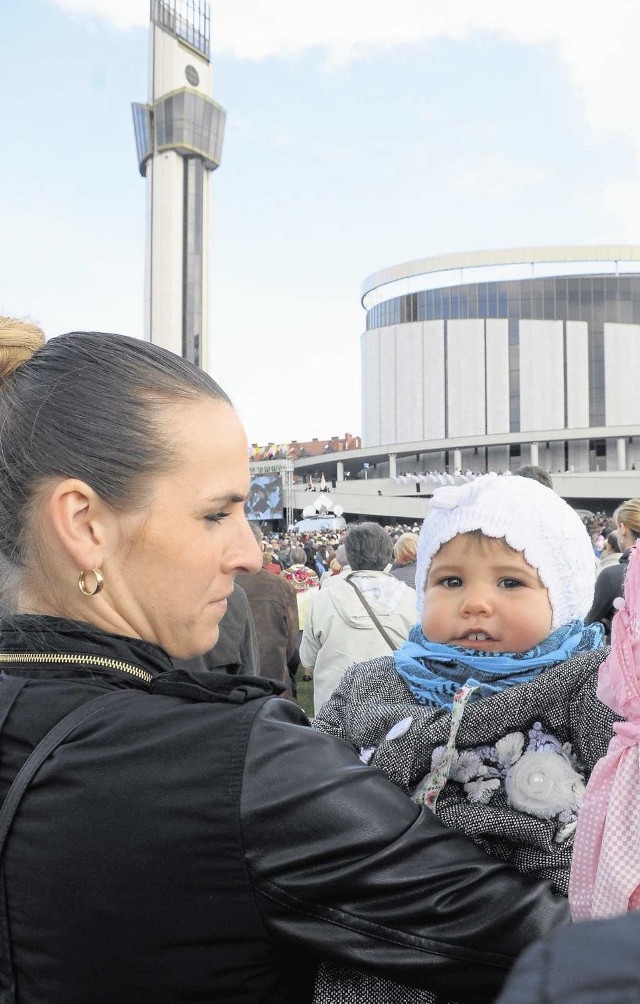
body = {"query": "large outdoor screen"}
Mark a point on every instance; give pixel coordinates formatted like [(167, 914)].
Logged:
[(265, 497)]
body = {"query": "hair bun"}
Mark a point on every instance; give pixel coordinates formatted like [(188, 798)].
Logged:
[(18, 341)]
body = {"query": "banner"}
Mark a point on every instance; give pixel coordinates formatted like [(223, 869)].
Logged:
[(265, 497)]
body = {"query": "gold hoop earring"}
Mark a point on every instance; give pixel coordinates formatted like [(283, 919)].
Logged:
[(98, 586)]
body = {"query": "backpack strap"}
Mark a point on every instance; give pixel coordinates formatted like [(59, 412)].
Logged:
[(373, 617), (54, 738)]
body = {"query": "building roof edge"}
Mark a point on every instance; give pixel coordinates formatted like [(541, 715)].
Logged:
[(507, 256)]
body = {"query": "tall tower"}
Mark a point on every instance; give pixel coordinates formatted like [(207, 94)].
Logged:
[(179, 139)]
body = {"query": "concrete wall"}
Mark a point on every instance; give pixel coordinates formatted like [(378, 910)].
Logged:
[(362, 498), (577, 358), (433, 378), (541, 375), (497, 351), (621, 370), (466, 391)]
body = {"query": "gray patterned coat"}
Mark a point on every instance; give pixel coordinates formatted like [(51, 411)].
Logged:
[(559, 707)]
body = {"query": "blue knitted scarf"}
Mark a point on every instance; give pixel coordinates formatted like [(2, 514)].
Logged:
[(433, 673)]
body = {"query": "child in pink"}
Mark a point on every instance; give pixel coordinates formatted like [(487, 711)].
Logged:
[(605, 871)]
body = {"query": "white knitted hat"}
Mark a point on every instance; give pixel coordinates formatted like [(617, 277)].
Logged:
[(531, 518)]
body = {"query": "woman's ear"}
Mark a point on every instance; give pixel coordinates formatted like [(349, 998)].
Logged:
[(79, 520)]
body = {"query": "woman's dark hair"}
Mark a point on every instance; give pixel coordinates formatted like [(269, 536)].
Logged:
[(536, 474), (86, 405), (612, 541), (369, 547)]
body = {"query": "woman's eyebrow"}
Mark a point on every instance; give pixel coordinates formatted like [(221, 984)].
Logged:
[(227, 499)]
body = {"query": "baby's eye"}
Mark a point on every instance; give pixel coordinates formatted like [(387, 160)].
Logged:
[(450, 581), (509, 583)]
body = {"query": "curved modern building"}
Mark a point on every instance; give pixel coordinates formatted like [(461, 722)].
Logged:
[(529, 354)]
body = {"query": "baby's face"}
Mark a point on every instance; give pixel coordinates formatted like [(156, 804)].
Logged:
[(484, 596)]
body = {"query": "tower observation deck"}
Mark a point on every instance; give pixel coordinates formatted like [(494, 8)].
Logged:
[(179, 135)]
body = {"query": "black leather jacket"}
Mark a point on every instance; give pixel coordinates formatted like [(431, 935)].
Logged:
[(199, 842)]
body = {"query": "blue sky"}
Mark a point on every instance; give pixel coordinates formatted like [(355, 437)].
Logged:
[(359, 134)]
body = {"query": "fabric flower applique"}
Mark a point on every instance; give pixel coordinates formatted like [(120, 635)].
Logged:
[(465, 765), (539, 740), (539, 778), (544, 784)]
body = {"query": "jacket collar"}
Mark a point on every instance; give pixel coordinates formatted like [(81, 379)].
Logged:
[(36, 633)]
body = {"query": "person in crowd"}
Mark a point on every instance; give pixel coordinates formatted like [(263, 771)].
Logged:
[(322, 559), (275, 613), (609, 584), (284, 554), (268, 562), (339, 569), (305, 582), (274, 547), (334, 569), (536, 473), (405, 551), (237, 649), (611, 553), (597, 962), (368, 613), (591, 963), (176, 836), (488, 715), (309, 552), (597, 542)]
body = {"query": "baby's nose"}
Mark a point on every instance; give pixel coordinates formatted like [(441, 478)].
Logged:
[(477, 601)]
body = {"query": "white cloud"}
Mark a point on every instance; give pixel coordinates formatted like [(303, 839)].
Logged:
[(496, 174), (598, 46), (596, 43)]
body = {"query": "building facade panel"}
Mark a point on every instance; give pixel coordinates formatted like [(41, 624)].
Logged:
[(621, 369), (577, 374), (465, 377), (541, 375), (371, 432), (410, 401), (388, 391), (433, 387), (497, 390)]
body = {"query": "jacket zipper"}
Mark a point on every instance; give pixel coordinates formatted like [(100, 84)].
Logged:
[(83, 660)]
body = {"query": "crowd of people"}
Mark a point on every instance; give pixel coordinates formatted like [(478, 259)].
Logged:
[(174, 828)]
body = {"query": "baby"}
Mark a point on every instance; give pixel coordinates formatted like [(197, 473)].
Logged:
[(488, 715)]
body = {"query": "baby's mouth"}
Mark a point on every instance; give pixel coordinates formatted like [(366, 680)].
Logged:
[(476, 636)]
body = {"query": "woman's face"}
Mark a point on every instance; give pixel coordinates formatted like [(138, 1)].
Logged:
[(625, 537), (169, 579)]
